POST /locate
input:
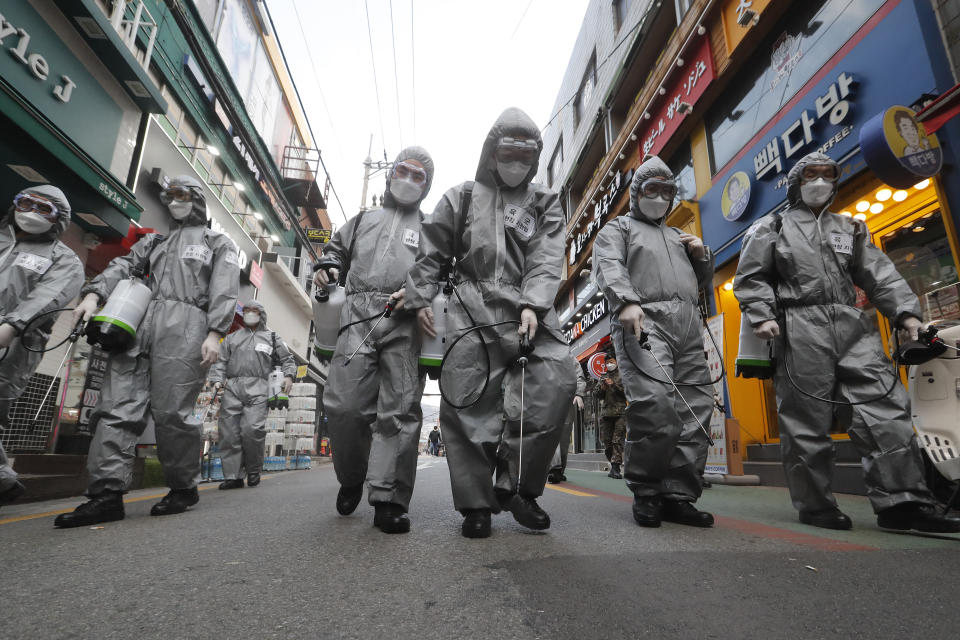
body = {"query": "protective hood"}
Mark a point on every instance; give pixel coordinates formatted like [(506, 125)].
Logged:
[(652, 168), (56, 196), (512, 123), (197, 217), (253, 304), (793, 178), (410, 153)]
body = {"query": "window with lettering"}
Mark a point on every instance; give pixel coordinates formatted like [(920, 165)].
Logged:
[(681, 164), (810, 34), (587, 86)]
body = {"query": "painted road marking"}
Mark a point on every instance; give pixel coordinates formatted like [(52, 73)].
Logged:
[(152, 496), (571, 491)]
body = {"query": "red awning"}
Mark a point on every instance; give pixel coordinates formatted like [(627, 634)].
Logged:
[(940, 111), (597, 346)]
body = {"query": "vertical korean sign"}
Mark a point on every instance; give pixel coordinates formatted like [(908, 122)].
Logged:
[(717, 454), (96, 371), (686, 88)]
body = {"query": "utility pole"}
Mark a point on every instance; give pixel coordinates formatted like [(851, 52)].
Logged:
[(370, 170)]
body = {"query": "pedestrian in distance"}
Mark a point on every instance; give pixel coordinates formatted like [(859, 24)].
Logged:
[(651, 274), (373, 399), (38, 274), (559, 464), (797, 284), (433, 441), (613, 421), (194, 277), (503, 234), (247, 357)]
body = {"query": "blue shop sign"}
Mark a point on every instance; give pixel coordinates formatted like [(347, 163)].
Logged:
[(887, 66)]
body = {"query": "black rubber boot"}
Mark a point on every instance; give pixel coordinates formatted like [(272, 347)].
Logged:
[(827, 519), (253, 479), (232, 483), (683, 512), (12, 493), (176, 501), (615, 471), (103, 507), (348, 498), (527, 512), (920, 517), (646, 510), (476, 523), (390, 518), (554, 476)]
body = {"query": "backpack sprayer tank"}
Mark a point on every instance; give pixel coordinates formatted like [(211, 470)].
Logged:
[(276, 398), (327, 304), (935, 401), (114, 328), (432, 350), (753, 356)]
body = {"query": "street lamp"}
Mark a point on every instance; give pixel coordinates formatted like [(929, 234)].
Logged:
[(236, 185), (212, 150)]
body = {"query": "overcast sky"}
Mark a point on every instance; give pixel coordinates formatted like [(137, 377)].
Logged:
[(472, 59)]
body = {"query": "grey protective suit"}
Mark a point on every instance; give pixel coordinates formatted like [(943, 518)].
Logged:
[(559, 462), (38, 273), (247, 356), (373, 403), (195, 278), (511, 256), (642, 261), (801, 270)]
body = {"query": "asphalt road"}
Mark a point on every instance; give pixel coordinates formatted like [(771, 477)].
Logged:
[(278, 562)]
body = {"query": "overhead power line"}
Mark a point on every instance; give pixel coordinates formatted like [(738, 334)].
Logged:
[(396, 78), (376, 85), (413, 73)]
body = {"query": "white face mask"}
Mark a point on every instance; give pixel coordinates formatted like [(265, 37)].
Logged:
[(611, 367), (512, 173), (405, 191), (251, 319), (653, 208), (180, 210), (816, 193), (31, 222)]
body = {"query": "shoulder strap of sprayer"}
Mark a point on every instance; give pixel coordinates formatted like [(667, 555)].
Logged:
[(143, 269), (274, 358), (466, 196), (353, 242)]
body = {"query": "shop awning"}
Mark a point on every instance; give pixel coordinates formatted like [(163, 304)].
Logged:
[(942, 110), (35, 151)]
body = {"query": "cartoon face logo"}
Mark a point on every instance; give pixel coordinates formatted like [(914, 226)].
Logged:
[(907, 128), (735, 196)]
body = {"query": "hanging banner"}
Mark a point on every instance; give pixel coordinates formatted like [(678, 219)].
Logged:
[(717, 454)]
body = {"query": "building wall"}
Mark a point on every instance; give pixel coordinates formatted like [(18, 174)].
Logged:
[(948, 15)]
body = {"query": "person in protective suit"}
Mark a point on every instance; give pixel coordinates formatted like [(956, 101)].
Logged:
[(509, 254), (194, 275), (797, 279), (38, 273), (559, 463), (246, 358), (373, 402), (613, 420), (651, 275)]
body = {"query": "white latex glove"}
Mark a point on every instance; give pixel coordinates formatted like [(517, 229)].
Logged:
[(631, 318), (320, 278), (210, 349), (287, 384), (87, 307), (767, 330), (578, 402), (217, 386), (425, 321), (398, 298), (7, 333), (910, 329), (528, 323), (694, 246)]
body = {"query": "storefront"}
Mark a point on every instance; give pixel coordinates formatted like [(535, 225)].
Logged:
[(832, 66), (72, 101)]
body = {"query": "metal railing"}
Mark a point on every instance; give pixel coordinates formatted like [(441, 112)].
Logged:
[(128, 18)]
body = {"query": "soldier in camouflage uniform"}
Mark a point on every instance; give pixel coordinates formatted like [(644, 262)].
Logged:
[(613, 424)]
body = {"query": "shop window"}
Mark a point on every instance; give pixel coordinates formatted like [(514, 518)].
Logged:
[(810, 34), (584, 95), (556, 163), (681, 7), (216, 178), (681, 164), (620, 8)]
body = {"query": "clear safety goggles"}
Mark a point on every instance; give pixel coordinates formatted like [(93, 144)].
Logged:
[(29, 202), (517, 150), (666, 189), (178, 194), (829, 172), (407, 171)]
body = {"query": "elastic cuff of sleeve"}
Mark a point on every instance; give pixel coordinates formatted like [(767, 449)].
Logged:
[(903, 315)]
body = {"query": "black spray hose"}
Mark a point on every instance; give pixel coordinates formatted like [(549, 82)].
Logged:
[(679, 383), (74, 335)]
